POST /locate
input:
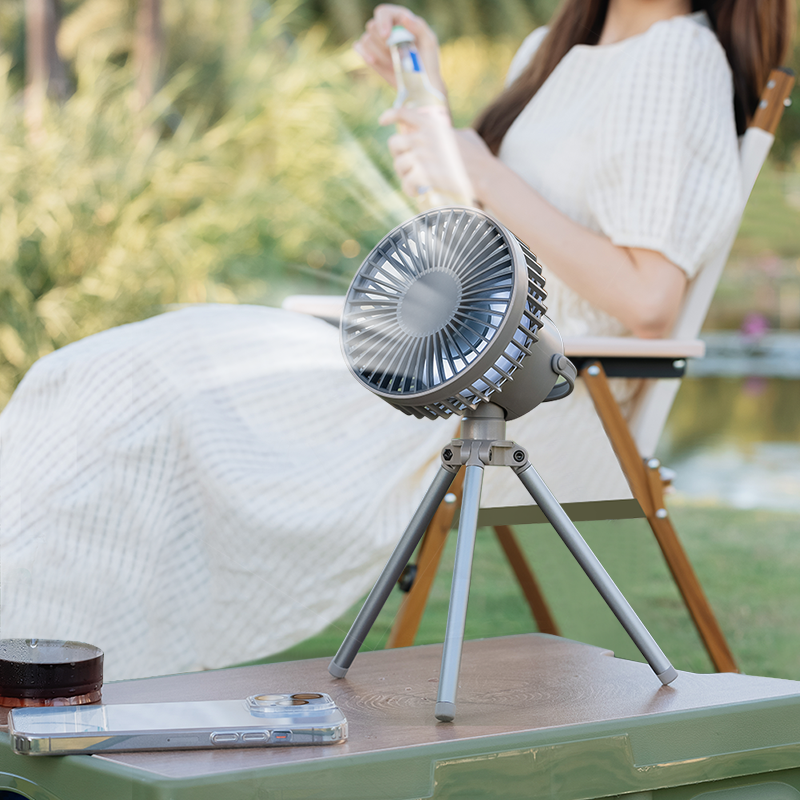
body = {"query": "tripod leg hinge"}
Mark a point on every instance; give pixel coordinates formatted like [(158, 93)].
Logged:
[(484, 452), (451, 457)]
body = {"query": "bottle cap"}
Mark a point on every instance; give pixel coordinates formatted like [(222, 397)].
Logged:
[(399, 35), (43, 669)]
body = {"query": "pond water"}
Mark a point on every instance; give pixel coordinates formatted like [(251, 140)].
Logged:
[(736, 441)]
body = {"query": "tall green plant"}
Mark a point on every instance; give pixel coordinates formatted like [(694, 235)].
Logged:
[(451, 20), (107, 218)]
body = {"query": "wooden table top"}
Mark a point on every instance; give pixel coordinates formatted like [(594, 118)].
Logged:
[(531, 682)]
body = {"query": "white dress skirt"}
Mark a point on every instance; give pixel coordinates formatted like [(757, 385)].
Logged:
[(212, 485)]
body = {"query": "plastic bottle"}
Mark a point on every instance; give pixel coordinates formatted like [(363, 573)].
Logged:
[(415, 90)]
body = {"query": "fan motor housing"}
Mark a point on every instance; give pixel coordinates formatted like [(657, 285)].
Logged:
[(533, 384), (445, 312)]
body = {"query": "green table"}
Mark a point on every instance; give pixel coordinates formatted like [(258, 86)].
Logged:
[(538, 717)]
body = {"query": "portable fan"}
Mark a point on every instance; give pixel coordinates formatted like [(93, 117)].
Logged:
[(446, 316), (444, 313)]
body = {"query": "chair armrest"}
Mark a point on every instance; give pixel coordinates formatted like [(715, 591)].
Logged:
[(628, 357), (630, 347), (327, 307)]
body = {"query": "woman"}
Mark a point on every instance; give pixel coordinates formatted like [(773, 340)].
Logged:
[(212, 485), (613, 154)]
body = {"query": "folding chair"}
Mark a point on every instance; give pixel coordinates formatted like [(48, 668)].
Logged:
[(662, 362)]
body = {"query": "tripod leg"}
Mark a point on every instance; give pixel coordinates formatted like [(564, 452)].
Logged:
[(409, 615), (391, 572), (459, 595), (665, 672)]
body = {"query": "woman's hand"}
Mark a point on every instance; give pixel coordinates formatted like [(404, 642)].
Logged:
[(373, 49), (426, 153)]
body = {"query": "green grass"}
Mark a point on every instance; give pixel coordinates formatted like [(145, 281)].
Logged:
[(747, 561)]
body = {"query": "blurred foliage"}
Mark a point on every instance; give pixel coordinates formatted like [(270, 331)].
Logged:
[(239, 173), (346, 18), (191, 27), (258, 170)]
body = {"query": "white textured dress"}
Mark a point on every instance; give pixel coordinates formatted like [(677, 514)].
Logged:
[(211, 485)]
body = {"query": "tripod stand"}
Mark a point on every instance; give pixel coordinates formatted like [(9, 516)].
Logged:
[(484, 444)]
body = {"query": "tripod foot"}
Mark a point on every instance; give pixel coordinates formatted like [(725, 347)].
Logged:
[(445, 712), (668, 675), (336, 670)]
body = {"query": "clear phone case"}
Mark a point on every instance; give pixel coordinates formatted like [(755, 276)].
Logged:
[(261, 720)]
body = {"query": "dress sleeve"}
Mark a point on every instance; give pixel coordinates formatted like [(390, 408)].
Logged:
[(667, 173), (525, 53)]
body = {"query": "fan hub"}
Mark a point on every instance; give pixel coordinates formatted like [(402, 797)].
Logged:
[(429, 303)]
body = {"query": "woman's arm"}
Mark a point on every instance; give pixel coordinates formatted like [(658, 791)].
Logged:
[(640, 287)]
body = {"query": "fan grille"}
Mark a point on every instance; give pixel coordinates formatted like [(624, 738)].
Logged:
[(430, 302)]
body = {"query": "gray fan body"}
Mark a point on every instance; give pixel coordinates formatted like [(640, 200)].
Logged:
[(447, 312)]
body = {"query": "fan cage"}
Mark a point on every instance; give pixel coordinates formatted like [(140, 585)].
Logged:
[(476, 261)]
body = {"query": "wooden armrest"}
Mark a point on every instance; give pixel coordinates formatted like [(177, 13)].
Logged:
[(327, 307), (630, 347), (627, 357)]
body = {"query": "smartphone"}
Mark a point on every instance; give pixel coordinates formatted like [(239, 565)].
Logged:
[(261, 720)]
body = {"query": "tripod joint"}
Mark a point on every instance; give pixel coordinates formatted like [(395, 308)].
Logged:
[(484, 453)]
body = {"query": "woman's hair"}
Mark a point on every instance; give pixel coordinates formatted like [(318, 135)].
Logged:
[(754, 34)]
